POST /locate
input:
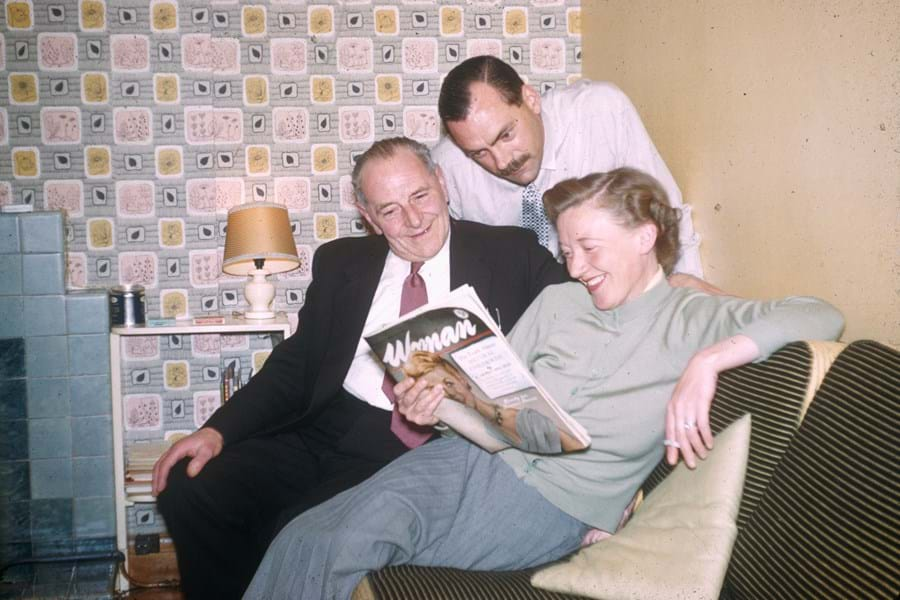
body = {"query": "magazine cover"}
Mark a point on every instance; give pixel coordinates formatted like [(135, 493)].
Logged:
[(455, 343)]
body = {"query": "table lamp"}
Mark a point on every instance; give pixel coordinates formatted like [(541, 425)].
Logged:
[(258, 242)]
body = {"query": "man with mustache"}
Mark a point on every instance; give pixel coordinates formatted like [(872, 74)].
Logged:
[(317, 419), (508, 144)]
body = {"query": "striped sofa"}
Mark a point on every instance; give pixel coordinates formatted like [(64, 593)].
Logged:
[(819, 516)]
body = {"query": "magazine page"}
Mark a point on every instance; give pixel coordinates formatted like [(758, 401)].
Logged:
[(454, 342)]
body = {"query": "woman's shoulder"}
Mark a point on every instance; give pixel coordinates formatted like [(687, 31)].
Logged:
[(691, 301), (572, 294), (557, 302)]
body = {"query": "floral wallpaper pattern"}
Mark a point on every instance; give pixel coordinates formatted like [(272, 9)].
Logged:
[(146, 120)]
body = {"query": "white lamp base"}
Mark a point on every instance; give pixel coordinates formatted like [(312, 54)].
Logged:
[(259, 294)]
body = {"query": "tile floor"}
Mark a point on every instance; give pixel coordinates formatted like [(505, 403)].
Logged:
[(87, 580)]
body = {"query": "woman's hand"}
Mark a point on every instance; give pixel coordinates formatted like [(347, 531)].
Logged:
[(687, 415), (417, 400)]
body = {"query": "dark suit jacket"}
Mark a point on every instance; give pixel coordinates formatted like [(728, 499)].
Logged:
[(505, 265)]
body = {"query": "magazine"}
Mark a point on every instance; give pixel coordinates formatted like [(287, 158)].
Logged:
[(455, 343)]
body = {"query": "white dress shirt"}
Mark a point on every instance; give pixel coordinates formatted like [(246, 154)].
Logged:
[(589, 127), (366, 374)]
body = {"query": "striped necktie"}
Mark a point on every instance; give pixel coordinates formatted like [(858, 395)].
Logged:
[(533, 215)]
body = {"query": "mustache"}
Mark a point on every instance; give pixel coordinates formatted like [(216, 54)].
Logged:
[(514, 166)]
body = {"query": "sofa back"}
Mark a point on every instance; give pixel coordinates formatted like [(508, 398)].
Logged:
[(828, 525)]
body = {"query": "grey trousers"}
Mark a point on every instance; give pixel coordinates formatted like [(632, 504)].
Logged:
[(447, 503)]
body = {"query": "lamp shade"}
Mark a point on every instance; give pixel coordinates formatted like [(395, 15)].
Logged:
[(259, 230)]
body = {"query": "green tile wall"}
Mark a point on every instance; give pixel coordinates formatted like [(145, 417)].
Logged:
[(55, 425)]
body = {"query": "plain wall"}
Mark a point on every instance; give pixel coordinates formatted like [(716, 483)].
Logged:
[(780, 123)]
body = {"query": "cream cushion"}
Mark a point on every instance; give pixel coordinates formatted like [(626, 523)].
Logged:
[(678, 544)]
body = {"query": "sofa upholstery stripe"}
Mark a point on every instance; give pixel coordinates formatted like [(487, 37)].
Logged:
[(828, 526), (406, 582)]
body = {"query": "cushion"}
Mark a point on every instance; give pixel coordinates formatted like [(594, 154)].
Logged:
[(678, 544)]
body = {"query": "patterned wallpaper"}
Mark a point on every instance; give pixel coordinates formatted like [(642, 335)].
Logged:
[(146, 120)]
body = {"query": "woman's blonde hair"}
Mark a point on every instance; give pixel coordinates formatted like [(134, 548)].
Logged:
[(632, 197), (421, 362)]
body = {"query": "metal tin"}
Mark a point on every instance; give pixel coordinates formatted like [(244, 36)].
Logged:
[(127, 305)]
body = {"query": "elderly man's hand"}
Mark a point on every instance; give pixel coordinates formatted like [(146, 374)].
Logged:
[(202, 445), (417, 400)]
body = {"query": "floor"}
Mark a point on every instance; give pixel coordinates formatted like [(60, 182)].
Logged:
[(157, 594), (73, 581)]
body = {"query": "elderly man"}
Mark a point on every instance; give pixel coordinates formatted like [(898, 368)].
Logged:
[(508, 145), (318, 417)]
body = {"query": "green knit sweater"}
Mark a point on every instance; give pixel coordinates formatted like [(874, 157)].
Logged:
[(614, 371)]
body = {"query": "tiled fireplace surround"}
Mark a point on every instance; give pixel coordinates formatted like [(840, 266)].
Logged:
[(56, 474)]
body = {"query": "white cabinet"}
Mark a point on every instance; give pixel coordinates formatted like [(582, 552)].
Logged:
[(278, 327)]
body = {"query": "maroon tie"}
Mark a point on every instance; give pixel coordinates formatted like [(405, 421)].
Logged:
[(414, 295)]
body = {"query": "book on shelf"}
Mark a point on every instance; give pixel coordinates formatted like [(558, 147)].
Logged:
[(232, 381), (227, 382), (454, 342), (138, 488), (209, 320), (139, 461)]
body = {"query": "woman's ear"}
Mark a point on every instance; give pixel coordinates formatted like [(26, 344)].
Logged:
[(647, 237)]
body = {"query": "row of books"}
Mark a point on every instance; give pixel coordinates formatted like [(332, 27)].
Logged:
[(141, 456), (232, 381), (139, 463)]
